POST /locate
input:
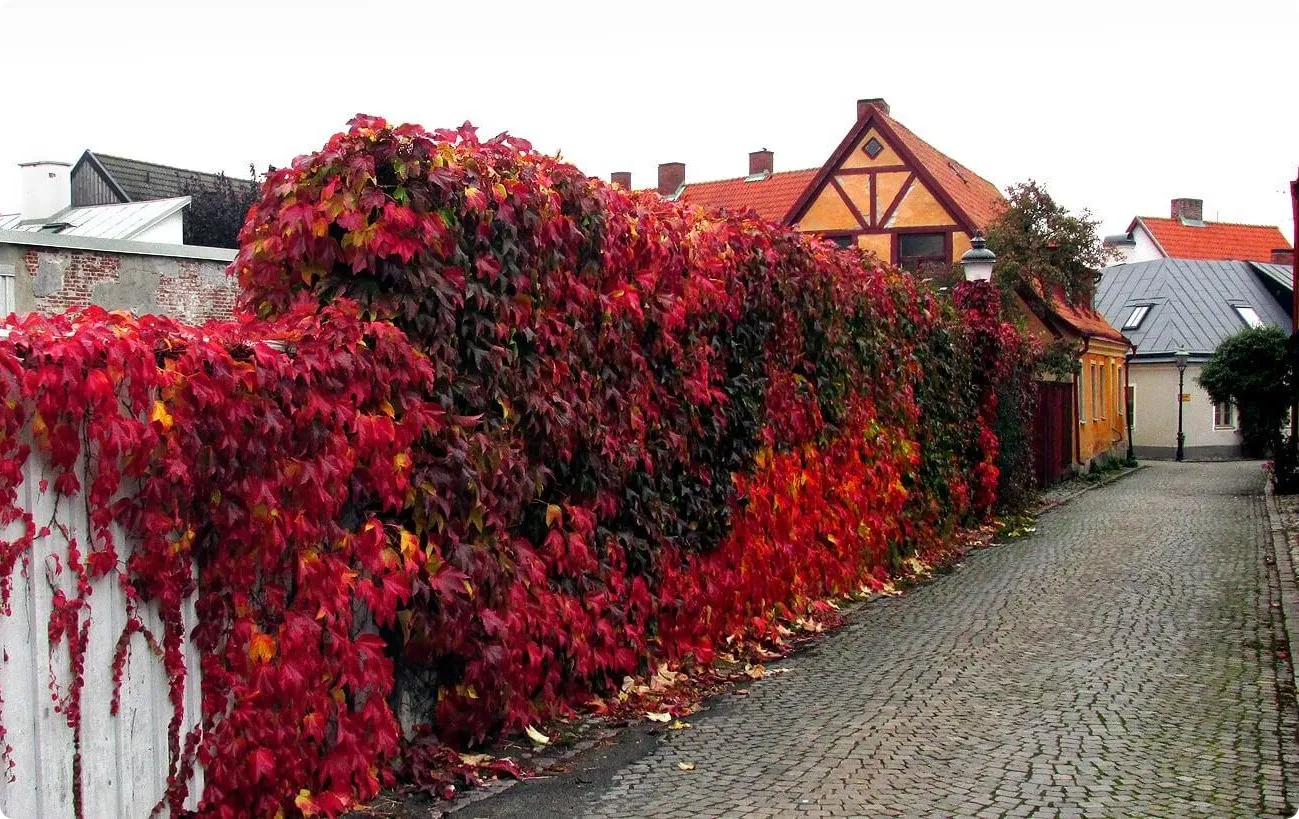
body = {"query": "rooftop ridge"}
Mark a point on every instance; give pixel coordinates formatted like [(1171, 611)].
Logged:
[(1212, 222)]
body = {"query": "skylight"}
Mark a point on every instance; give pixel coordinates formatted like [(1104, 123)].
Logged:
[(1137, 316), (1248, 315)]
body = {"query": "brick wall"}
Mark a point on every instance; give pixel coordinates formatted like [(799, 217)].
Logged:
[(50, 280)]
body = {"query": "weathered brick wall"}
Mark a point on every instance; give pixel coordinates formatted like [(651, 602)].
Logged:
[(50, 280)]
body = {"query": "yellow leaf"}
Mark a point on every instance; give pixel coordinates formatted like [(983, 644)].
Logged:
[(536, 736), (400, 461), (261, 648), (386, 406), (161, 415), (409, 544), (658, 716), (476, 759), (554, 513), (678, 725), (304, 803), (686, 766)]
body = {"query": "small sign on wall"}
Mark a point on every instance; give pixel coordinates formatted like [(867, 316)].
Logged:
[(1186, 398)]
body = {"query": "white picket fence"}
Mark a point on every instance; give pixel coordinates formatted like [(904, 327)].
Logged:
[(124, 758)]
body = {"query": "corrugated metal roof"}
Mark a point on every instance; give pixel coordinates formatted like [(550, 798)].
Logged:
[(1192, 303), (125, 221)]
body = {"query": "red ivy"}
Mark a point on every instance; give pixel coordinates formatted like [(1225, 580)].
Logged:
[(579, 432)]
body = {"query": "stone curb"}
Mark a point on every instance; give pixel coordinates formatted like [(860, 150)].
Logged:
[(1050, 504), (1285, 557)]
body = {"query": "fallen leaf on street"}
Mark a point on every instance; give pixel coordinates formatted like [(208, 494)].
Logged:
[(677, 725), (536, 736), (658, 716), (686, 766)]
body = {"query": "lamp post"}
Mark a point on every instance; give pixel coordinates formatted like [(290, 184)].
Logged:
[(1180, 358), (978, 261)]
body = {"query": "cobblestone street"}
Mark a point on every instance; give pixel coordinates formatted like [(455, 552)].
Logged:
[(1117, 662)]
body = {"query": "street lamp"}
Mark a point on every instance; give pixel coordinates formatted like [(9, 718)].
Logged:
[(978, 261), (1180, 358)]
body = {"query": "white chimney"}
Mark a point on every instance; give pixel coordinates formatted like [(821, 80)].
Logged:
[(46, 189)]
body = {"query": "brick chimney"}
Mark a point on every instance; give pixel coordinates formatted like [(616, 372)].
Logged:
[(672, 175), (761, 162), (622, 178), (1283, 255), (864, 106), (1192, 209)]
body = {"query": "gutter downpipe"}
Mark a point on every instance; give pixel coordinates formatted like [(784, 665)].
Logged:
[(1294, 311), (1127, 394), (1077, 402)]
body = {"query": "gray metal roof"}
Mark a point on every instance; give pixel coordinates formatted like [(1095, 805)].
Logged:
[(1282, 274), (125, 221), (1191, 302)]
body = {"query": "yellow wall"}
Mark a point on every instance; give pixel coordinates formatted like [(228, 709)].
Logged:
[(881, 244), (1100, 390), (917, 205)]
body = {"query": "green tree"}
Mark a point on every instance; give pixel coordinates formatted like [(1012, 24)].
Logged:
[(1252, 370), (1037, 241)]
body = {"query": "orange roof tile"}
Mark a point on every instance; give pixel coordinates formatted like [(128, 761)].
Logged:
[(1086, 321), (1082, 319), (770, 198), (980, 199), (1213, 240)]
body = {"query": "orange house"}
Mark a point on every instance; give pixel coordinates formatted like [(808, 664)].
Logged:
[(888, 191), (884, 189)]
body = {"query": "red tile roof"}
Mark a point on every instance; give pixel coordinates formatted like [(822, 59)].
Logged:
[(770, 198), (1082, 319), (1214, 240), (980, 199), (1087, 321)]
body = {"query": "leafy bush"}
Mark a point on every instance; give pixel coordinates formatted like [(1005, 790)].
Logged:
[(633, 432), (1252, 370)]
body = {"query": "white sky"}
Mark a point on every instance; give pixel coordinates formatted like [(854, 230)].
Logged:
[(1115, 105)]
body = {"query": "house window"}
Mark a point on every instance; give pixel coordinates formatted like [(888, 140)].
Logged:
[(1248, 315), (918, 249), (1224, 415), (840, 241), (1104, 396), (1118, 388), (1080, 384), (1132, 406), (1137, 316), (1094, 416), (6, 290)]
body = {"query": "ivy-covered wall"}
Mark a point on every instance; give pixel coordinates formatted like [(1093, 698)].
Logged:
[(532, 434)]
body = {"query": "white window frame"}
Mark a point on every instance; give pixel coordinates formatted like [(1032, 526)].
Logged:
[(1079, 381), (1248, 315), (1233, 421), (1138, 315), (7, 305)]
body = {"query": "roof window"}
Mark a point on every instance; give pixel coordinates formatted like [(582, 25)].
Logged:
[(1248, 315), (1137, 316)]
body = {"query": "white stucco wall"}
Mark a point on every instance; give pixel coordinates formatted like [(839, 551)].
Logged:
[(1154, 428), (1144, 250), (169, 231)]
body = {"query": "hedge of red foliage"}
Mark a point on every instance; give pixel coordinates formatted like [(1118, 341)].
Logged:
[(279, 474), (633, 432)]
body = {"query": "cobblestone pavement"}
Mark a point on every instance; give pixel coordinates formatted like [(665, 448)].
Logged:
[(1118, 662)]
